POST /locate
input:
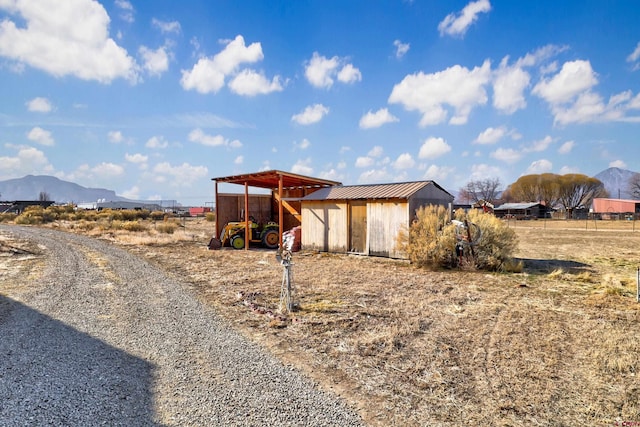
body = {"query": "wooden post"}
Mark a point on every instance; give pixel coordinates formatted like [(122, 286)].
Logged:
[(280, 210), (216, 211), (246, 216)]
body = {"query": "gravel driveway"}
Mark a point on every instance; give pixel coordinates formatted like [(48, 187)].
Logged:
[(107, 339)]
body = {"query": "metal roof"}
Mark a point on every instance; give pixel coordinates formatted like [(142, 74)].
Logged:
[(271, 179), (507, 206), (374, 191)]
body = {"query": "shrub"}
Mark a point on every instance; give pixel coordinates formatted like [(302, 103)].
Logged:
[(166, 227), (426, 243), (495, 248), (133, 226), (7, 217), (431, 241), (210, 216), (157, 215)]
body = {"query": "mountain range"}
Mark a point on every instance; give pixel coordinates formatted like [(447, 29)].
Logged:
[(615, 180), (62, 192)]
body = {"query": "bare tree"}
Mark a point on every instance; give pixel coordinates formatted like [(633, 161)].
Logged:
[(577, 190), (485, 189), (44, 196), (634, 186)]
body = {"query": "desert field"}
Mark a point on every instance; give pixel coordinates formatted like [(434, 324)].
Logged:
[(557, 344)]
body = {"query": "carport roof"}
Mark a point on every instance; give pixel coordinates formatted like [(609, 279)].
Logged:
[(271, 179)]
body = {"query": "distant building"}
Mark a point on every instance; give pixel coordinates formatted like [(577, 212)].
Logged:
[(199, 211), (609, 208), (18, 206), (129, 205), (522, 211)]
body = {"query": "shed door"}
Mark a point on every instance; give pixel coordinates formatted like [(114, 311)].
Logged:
[(358, 227)]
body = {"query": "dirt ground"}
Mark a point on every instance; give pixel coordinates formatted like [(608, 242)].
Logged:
[(557, 344)]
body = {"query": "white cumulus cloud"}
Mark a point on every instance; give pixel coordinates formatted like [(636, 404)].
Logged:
[(70, 40), (401, 48), (311, 114), (433, 148), (364, 162), (250, 83), (208, 74), (618, 164), (39, 105), (115, 136), (40, 136), (155, 62), (377, 119), (183, 175), (200, 137), (157, 142), (321, 71), (457, 86), (404, 161), (438, 173), (508, 155), (574, 78), (28, 160), (136, 158), (302, 167), (566, 147), (539, 166), (166, 26), (457, 24), (491, 135)]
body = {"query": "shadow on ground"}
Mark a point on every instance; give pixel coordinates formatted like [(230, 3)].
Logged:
[(53, 374), (545, 266)]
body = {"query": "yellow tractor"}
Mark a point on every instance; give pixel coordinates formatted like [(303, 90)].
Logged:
[(233, 234)]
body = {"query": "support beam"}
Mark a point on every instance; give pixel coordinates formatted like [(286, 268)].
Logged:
[(280, 211), (216, 210), (246, 216)]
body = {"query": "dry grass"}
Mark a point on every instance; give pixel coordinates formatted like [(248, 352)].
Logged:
[(557, 344)]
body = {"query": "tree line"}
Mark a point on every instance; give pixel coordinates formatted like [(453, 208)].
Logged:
[(570, 191)]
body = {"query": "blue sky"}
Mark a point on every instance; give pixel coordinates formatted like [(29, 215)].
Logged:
[(154, 98)]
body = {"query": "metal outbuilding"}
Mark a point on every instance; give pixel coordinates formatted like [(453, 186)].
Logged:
[(522, 211), (365, 219), (609, 207)]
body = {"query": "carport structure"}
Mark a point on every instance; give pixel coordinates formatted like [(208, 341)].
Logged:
[(286, 191)]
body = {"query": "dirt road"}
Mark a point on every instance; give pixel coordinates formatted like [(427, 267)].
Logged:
[(92, 335)]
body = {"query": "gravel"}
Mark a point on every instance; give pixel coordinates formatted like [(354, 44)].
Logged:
[(104, 338)]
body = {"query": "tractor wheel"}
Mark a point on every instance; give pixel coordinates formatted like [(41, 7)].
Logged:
[(270, 239), (237, 242)]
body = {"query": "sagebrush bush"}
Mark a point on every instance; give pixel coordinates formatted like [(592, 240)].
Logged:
[(210, 216), (157, 215), (426, 243), (431, 240), (495, 248), (7, 217), (166, 227), (133, 226)]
